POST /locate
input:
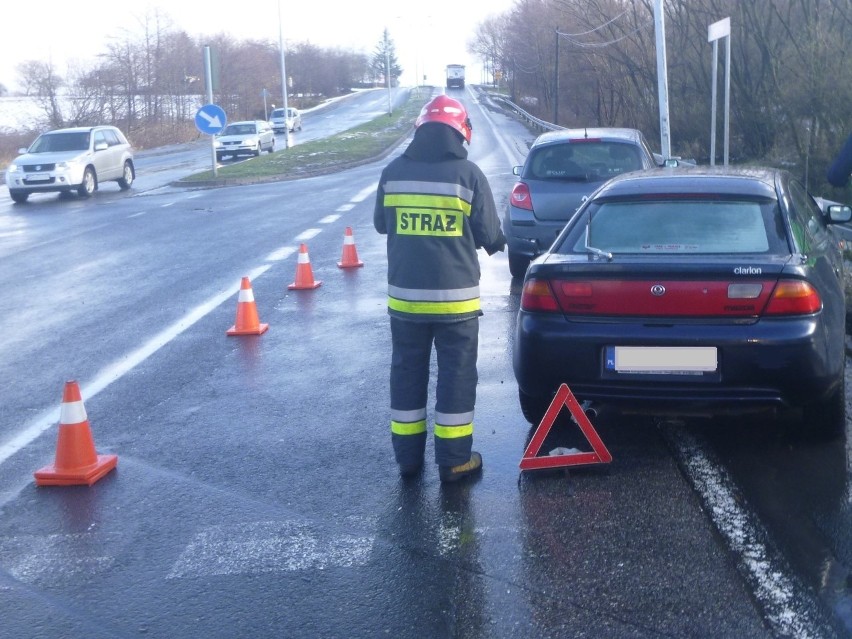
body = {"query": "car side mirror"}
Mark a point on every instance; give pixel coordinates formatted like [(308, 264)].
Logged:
[(839, 213), (671, 163), (101, 146), (516, 170)]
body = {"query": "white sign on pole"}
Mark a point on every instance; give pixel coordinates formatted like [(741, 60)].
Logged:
[(719, 30)]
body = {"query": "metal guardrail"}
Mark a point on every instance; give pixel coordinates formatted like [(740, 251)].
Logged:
[(534, 121)]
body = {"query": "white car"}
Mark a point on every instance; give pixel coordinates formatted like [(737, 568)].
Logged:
[(66, 160), (280, 122), (250, 137)]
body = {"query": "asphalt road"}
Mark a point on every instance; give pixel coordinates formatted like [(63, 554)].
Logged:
[(256, 493)]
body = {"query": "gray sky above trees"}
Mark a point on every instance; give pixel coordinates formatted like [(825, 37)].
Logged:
[(427, 35)]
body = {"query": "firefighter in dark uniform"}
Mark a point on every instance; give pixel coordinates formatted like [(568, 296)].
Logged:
[(841, 167), (437, 209)]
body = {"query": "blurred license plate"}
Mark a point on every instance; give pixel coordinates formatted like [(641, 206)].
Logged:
[(661, 360), (38, 177)]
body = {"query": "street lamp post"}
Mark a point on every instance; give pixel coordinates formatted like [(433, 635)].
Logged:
[(387, 72), (283, 78)]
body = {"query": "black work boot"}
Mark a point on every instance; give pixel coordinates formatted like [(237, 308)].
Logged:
[(407, 471), (455, 473)]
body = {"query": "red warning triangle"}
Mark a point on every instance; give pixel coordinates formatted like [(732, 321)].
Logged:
[(599, 454)]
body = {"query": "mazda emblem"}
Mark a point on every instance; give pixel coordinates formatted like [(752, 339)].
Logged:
[(658, 289)]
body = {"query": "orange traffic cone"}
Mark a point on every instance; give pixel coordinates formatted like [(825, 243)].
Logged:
[(349, 258), (76, 460), (304, 273), (247, 322)]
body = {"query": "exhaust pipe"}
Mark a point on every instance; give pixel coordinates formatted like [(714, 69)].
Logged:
[(590, 411)]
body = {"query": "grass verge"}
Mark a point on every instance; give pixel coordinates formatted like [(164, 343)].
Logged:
[(358, 145)]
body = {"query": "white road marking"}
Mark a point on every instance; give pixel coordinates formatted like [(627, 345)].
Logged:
[(122, 366), (49, 558), (281, 254), (263, 547), (328, 219), (345, 207), (307, 235), (365, 193), (783, 603)]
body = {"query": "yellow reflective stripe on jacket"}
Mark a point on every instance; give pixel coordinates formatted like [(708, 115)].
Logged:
[(408, 428), (453, 432), (434, 308), (421, 201)]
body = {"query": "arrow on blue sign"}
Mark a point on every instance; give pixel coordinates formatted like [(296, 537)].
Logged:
[(210, 119)]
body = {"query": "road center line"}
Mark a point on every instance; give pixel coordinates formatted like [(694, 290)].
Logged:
[(308, 235), (122, 366)]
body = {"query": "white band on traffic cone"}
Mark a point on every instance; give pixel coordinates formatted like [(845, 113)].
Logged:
[(72, 413), (246, 295)]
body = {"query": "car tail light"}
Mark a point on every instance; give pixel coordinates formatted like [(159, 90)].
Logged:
[(794, 297), (538, 296), (521, 197)]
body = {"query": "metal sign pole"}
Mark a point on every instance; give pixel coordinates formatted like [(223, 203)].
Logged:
[(716, 31), (208, 74)]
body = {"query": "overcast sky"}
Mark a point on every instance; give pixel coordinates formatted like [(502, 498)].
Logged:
[(427, 35)]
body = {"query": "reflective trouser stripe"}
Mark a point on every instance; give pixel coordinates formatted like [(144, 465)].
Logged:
[(412, 428), (453, 432)]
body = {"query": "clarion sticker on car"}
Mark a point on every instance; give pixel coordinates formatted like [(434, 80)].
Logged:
[(748, 270)]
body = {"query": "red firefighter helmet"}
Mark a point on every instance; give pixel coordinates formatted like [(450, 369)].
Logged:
[(447, 111)]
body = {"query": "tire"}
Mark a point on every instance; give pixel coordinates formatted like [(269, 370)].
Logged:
[(826, 420), (219, 157), (533, 407), (128, 175), (89, 184), (19, 197), (258, 150), (518, 265), (271, 147)]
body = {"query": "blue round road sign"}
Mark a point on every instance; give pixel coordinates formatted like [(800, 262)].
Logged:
[(210, 119)]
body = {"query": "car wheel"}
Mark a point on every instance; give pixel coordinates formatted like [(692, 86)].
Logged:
[(89, 184), (518, 264), (272, 146), (257, 150), (19, 197), (533, 407), (127, 177), (826, 420)]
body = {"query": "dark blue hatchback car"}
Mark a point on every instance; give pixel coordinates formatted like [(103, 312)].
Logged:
[(693, 290)]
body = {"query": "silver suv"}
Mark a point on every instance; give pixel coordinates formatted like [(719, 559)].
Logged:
[(66, 160)]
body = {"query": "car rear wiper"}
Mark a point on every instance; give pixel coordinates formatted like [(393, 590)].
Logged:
[(591, 249)]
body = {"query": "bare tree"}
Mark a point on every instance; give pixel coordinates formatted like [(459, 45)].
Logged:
[(41, 81)]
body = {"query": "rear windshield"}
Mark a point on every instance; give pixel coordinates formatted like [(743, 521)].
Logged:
[(583, 161), (655, 227), (277, 113)]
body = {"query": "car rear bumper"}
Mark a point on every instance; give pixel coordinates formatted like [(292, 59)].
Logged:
[(772, 363), (528, 237)]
